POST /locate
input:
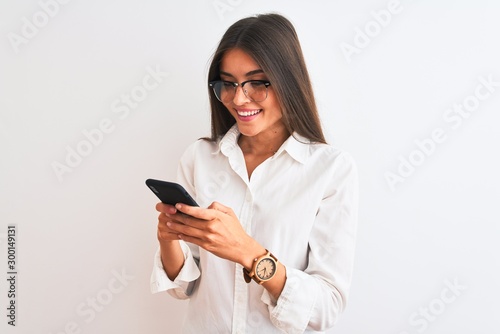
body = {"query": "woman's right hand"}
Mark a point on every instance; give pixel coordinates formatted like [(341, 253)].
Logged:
[(172, 257), (165, 216)]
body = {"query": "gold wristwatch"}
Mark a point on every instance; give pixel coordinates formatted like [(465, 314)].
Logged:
[(263, 268)]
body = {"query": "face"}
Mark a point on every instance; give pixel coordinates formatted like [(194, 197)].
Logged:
[(253, 118)]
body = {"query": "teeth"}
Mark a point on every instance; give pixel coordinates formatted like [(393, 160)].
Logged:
[(248, 113)]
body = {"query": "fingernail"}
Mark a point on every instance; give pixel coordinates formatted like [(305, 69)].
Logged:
[(178, 206)]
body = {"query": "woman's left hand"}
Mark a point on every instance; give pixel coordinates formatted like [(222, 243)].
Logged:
[(215, 229)]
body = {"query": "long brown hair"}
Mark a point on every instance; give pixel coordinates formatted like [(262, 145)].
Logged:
[(271, 40)]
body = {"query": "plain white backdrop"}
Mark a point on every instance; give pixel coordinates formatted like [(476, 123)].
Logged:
[(97, 96)]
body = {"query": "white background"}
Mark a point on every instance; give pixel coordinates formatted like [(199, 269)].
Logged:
[(76, 232)]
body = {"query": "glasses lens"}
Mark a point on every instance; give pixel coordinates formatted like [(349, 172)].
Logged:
[(255, 90), (224, 91)]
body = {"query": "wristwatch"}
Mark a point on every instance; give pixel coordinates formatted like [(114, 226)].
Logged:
[(263, 268)]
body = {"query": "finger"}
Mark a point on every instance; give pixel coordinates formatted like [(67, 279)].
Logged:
[(186, 230), (165, 208), (163, 227), (167, 235), (178, 218), (190, 239), (195, 211)]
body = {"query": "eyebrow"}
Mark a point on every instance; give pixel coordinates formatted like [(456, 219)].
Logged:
[(249, 74)]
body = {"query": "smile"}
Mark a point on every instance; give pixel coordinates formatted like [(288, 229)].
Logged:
[(247, 113)]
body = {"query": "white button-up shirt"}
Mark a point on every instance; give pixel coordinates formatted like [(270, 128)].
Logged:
[(301, 204)]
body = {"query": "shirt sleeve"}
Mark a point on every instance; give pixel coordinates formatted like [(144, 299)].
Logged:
[(314, 298), (182, 286)]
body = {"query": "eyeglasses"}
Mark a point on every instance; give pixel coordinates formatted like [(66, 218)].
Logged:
[(255, 90)]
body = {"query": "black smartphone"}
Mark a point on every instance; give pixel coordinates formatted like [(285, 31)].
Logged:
[(170, 192)]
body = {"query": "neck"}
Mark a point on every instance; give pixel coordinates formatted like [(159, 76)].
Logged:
[(264, 143)]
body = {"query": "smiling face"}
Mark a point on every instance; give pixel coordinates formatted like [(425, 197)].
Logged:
[(253, 118)]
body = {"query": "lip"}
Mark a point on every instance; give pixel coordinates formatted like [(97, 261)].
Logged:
[(247, 115)]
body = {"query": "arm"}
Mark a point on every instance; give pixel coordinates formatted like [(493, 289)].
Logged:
[(176, 262), (313, 298), (176, 267), (172, 257)]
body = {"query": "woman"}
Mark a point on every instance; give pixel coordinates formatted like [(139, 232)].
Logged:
[(270, 249)]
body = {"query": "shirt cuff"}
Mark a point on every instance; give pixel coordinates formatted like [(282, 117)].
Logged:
[(292, 311), (181, 284)]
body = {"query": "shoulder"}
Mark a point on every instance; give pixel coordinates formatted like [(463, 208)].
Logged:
[(328, 155), (201, 149), (305, 151), (202, 146), (332, 154), (336, 168), (333, 165)]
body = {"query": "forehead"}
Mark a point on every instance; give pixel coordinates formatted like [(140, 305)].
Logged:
[(238, 62)]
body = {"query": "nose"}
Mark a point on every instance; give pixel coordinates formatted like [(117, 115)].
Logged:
[(239, 97)]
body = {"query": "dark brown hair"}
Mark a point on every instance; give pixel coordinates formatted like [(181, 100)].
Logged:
[(271, 40)]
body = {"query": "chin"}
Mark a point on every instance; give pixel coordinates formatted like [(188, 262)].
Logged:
[(248, 132)]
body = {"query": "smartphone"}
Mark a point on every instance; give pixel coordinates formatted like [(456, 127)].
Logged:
[(170, 192)]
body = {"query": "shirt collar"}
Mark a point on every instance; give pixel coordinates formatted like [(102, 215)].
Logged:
[(229, 142), (296, 146)]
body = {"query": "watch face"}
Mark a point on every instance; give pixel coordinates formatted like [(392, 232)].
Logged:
[(265, 269)]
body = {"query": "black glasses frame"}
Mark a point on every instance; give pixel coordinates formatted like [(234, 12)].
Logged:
[(242, 85)]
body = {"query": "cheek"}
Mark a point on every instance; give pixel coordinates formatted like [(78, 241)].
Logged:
[(228, 108), (273, 106), (272, 102)]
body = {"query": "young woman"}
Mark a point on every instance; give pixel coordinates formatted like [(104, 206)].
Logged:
[(270, 249)]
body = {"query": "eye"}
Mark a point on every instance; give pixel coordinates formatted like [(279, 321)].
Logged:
[(257, 84)]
